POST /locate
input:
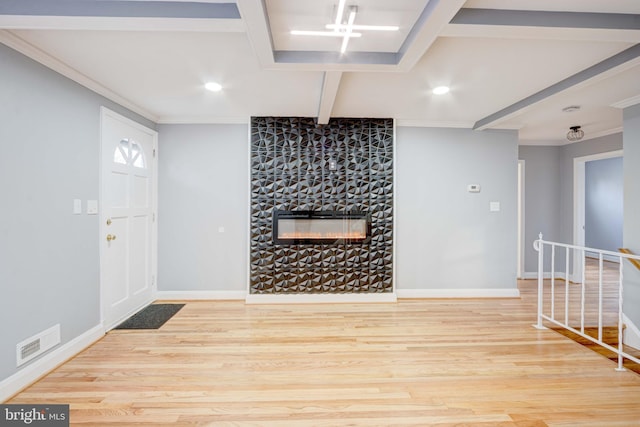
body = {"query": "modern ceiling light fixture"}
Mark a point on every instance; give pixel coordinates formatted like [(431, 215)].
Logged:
[(575, 134), (344, 30)]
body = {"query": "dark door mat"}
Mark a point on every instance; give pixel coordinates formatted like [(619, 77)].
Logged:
[(151, 317)]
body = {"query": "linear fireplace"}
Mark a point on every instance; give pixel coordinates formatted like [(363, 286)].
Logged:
[(318, 227)]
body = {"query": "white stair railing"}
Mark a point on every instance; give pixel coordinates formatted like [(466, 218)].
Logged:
[(548, 312)]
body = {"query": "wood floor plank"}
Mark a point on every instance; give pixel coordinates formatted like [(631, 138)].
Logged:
[(441, 362)]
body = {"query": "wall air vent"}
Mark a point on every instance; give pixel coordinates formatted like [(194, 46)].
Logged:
[(37, 344)]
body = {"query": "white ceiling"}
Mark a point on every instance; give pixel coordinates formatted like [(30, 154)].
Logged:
[(495, 60)]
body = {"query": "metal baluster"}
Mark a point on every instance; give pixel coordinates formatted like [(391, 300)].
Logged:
[(566, 289), (584, 278), (620, 332), (600, 268), (553, 281), (540, 250)]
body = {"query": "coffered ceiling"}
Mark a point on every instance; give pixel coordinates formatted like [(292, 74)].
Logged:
[(510, 64)]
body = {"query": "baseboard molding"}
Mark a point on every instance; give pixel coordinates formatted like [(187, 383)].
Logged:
[(320, 298), (201, 295), (48, 362), (458, 293), (631, 333)]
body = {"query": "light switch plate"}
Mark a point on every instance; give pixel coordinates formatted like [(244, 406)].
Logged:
[(77, 206), (494, 206), (92, 207), (220, 229)]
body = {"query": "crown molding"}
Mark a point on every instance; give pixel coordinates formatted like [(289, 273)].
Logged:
[(433, 124), (203, 120), (627, 102)]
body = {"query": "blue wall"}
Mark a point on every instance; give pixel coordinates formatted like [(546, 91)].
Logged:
[(604, 184)]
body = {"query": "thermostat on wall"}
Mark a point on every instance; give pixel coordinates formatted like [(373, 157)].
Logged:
[(473, 188)]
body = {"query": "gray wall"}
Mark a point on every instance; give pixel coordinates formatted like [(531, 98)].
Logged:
[(203, 184), (446, 236), (604, 185), (631, 209), (542, 198), (569, 152), (549, 190), (50, 140)]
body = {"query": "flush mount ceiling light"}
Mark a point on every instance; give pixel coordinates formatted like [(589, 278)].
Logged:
[(440, 90), (213, 87), (575, 134), (342, 30), (571, 108)]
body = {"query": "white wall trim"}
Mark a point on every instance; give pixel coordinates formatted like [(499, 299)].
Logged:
[(521, 218), (631, 335), (394, 219), (199, 120), (627, 102), (319, 298), (201, 295), (45, 364), (458, 293), (423, 123)]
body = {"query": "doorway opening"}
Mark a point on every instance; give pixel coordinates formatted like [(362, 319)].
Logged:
[(579, 206)]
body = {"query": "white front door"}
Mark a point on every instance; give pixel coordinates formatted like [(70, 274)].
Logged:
[(127, 228)]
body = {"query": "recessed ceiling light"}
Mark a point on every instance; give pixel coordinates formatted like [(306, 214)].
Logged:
[(440, 90), (213, 87)]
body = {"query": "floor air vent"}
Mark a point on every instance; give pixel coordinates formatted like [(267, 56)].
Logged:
[(37, 344)]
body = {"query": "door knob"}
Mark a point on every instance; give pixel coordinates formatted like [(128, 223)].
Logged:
[(111, 237)]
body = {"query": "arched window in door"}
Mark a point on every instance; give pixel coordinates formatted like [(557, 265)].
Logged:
[(129, 152)]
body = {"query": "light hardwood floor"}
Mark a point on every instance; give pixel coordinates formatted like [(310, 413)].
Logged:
[(463, 362)]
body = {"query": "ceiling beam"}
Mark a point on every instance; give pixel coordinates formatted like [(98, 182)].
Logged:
[(254, 15), (534, 18), (121, 9), (330, 85), (433, 19), (597, 70), (128, 15)]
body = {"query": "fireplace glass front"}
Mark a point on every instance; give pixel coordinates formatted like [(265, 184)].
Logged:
[(316, 227)]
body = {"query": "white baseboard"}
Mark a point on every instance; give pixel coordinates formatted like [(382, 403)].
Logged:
[(30, 373), (320, 298), (201, 295), (631, 333), (458, 293)]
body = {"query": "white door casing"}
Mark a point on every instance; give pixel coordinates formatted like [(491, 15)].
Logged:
[(127, 221), (521, 217)]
